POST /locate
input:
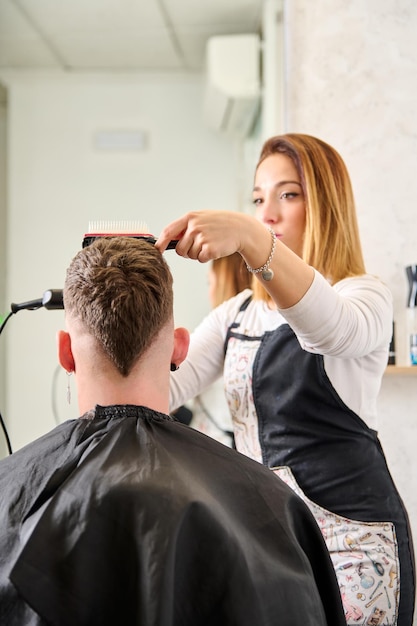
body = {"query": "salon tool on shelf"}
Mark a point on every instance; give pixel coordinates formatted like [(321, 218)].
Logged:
[(411, 272)]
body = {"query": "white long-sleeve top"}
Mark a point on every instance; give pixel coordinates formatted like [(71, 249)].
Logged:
[(349, 323)]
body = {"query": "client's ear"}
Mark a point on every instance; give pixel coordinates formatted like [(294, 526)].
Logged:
[(65, 355), (181, 343)]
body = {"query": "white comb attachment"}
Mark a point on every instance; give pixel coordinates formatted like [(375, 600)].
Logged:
[(115, 227)]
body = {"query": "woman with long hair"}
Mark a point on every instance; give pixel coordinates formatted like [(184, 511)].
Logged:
[(302, 356)]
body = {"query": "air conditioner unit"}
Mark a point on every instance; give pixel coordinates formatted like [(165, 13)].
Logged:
[(233, 89)]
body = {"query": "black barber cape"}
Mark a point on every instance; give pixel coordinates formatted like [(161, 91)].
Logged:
[(126, 516)]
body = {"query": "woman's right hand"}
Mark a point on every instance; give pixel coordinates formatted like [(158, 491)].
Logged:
[(208, 235)]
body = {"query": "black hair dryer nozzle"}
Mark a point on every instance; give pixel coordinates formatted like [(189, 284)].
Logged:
[(51, 299)]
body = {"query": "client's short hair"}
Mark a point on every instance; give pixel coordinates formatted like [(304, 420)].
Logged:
[(120, 289)]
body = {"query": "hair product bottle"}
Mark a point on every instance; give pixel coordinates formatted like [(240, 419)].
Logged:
[(411, 271)]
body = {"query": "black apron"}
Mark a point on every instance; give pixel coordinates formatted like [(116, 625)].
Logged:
[(335, 458)]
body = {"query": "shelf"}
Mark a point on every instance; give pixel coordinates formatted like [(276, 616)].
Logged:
[(401, 370)]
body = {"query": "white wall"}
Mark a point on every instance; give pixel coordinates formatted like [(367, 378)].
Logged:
[(58, 182), (352, 80), (3, 221)]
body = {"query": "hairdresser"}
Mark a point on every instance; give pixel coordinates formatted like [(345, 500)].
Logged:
[(302, 355)]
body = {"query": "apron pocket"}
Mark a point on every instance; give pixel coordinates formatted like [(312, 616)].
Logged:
[(365, 559)]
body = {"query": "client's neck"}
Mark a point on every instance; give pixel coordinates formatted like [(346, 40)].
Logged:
[(143, 387), (100, 382)]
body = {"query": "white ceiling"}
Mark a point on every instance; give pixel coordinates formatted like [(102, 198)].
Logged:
[(118, 35)]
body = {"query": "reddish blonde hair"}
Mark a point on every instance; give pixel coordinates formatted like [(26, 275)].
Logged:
[(331, 239), (232, 277)]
